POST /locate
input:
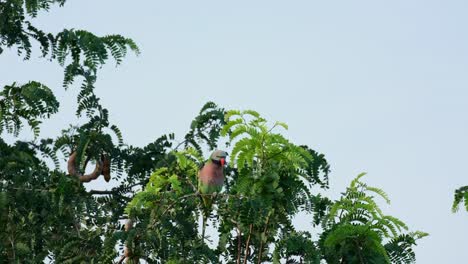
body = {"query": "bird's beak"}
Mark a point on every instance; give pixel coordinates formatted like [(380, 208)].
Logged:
[(223, 161)]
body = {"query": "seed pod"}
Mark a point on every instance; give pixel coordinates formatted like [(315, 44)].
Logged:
[(106, 162), (72, 170)]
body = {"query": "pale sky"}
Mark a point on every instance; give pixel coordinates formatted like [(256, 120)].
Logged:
[(377, 86)]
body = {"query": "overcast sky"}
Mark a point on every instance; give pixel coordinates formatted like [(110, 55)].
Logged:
[(377, 86)]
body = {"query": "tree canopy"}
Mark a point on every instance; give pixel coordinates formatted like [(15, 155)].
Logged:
[(153, 213)]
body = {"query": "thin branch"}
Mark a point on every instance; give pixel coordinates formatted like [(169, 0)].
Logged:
[(247, 244), (114, 190), (261, 239), (186, 140), (101, 192), (27, 189), (239, 238), (359, 252)]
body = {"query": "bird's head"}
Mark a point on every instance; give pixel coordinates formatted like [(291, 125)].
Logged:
[(219, 157)]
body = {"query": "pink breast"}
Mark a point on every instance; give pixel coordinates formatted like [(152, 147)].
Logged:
[(212, 174)]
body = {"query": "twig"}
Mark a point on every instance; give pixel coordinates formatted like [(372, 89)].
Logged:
[(27, 189), (101, 192), (114, 190), (261, 239), (247, 244), (239, 238), (186, 140), (359, 252), (13, 250)]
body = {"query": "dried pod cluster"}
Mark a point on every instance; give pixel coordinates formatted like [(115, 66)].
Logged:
[(102, 168)]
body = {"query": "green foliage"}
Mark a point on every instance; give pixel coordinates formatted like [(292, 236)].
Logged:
[(48, 214), (17, 30), (166, 213), (45, 212), (399, 249), (81, 53), (258, 203), (461, 196), (31, 102), (271, 183), (354, 244), (39, 206), (296, 244), (206, 127), (269, 180), (357, 231)]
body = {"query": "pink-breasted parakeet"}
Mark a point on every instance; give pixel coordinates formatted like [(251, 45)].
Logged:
[(211, 181), (211, 174)]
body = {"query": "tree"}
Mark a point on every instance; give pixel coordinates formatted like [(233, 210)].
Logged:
[(270, 180), (357, 231), (45, 211), (49, 214), (461, 196)]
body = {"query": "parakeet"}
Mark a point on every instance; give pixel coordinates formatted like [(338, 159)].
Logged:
[(211, 180), (211, 175)]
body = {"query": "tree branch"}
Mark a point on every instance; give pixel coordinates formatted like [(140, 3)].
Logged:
[(261, 239), (100, 192), (239, 237), (247, 244)]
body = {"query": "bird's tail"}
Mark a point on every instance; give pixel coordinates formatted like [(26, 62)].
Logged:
[(207, 204), (204, 228)]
